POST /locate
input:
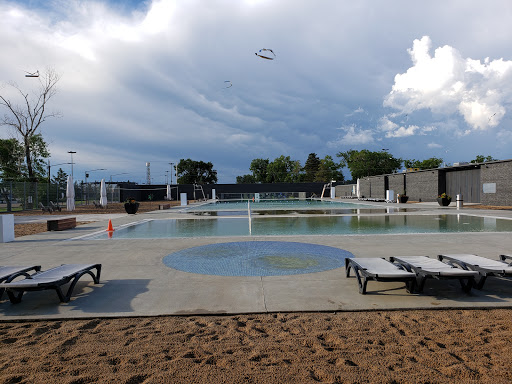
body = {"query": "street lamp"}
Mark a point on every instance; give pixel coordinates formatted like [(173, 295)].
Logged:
[(112, 187), (87, 186), (71, 153)]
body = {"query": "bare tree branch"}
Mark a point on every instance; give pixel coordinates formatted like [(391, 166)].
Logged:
[(28, 116)]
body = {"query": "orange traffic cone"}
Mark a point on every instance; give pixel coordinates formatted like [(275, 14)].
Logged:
[(110, 228)]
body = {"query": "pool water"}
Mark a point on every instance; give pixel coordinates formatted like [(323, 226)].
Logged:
[(308, 225), (244, 205)]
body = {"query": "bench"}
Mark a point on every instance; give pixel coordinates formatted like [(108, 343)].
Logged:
[(61, 224), (164, 206)]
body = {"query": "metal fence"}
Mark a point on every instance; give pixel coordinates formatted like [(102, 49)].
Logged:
[(18, 196)]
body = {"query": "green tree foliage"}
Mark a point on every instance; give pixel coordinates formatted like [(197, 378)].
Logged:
[(259, 168), (367, 163), (246, 179), (11, 158), (483, 159), (329, 170), (196, 172), (433, 162), (311, 167), (61, 178), (282, 170), (13, 161)]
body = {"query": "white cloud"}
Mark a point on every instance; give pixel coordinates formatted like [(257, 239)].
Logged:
[(447, 83), (353, 137), (434, 145)]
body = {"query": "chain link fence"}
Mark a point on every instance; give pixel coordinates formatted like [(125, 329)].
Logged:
[(21, 196)]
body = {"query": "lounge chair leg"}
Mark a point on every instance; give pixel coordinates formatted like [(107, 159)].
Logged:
[(410, 285), (466, 284), (362, 288), (420, 283), (95, 278), (480, 284), (15, 298)]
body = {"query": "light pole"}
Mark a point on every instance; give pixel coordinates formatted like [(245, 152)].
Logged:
[(71, 153), (112, 187), (87, 185), (172, 170)]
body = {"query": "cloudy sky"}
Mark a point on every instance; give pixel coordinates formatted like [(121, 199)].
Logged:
[(146, 81)]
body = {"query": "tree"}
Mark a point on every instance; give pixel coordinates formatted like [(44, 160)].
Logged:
[(196, 172), (431, 163), (27, 114), (281, 170), (367, 163), (311, 167), (482, 159), (12, 162), (258, 168), (245, 179), (61, 178), (11, 158), (329, 170)]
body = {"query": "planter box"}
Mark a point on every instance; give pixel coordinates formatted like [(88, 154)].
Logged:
[(444, 202), (403, 199), (131, 208)]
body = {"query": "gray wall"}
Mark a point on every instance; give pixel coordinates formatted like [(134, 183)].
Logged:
[(346, 190), (373, 186), (396, 183), (496, 177), (423, 185)]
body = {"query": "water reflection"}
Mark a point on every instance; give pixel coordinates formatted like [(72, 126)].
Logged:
[(312, 225)]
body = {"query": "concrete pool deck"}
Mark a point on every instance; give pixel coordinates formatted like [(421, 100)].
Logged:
[(135, 282)]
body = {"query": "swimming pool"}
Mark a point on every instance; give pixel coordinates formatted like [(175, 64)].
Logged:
[(244, 205), (307, 225), (289, 207)]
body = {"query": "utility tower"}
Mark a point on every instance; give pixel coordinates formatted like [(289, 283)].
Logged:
[(148, 174)]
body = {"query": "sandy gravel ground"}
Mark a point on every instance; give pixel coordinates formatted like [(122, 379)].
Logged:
[(437, 346), (469, 346)]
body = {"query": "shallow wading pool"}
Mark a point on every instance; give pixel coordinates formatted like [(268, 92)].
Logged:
[(306, 225)]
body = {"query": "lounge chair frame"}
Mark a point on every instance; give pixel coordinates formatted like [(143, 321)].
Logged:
[(466, 280), (9, 273), (51, 279), (481, 268), (363, 275)]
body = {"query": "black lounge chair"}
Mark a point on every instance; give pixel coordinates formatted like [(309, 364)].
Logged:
[(45, 209), (484, 266), (377, 269), (426, 268), (9, 273), (53, 278), (55, 207)]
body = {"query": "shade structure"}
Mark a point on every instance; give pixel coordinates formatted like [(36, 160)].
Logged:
[(168, 197), (103, 193), (70, 194), (358, 190)]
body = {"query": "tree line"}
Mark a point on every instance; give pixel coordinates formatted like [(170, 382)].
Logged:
[(362, 163)]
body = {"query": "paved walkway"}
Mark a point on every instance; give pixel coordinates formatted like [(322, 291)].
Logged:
[(135, 282)]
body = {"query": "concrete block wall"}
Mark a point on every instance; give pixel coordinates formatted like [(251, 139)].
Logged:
[(348, 190), (496, 183), (373, 186), (423, 185), (396, 183)]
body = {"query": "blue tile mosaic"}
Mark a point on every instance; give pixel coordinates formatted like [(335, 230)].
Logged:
[(257, 258)]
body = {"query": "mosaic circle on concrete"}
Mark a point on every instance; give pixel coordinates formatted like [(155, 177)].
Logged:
[(257, 258)]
